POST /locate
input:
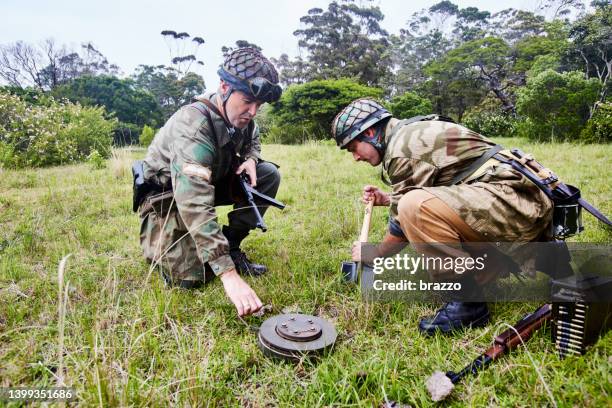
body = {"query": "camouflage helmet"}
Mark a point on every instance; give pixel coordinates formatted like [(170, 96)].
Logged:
[(247, 70), (355, 118)]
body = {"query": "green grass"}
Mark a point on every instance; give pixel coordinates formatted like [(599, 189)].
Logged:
[(129, 341)]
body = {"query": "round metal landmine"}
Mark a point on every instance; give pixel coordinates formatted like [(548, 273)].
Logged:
[(291, 336)]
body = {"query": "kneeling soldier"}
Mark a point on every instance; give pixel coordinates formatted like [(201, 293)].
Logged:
[(192, 163), (446, 188)]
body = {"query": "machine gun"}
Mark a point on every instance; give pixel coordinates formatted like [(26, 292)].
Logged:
[(250, 194)]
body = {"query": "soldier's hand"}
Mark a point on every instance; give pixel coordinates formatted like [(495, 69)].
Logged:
[(240, 293), (374, 193), (250, 167)]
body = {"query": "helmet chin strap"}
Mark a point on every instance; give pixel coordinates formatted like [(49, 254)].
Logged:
[(225, 98), (377, 140)]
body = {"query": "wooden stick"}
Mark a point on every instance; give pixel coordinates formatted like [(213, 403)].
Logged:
[(365, 228)]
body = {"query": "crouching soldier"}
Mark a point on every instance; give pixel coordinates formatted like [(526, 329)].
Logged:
[(446, 188), (192, 164)]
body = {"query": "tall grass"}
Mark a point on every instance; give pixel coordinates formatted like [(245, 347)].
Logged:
[(129, 341)]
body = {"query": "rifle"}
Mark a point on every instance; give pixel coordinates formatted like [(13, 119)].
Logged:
[(440, 385), (250, 193)]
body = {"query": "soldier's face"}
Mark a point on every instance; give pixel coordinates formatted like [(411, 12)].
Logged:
[(240, 108), (363, 151)]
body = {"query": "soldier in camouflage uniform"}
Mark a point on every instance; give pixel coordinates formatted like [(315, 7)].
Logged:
[(196, 155), (439, 197)]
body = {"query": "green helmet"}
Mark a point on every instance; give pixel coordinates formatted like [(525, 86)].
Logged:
[(353, 120), (247, 70)]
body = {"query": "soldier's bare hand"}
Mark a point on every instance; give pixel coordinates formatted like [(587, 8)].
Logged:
[(249, 166), (376, 194), (240, 293)]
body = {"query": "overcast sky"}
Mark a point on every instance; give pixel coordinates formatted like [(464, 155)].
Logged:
[(127, 32)]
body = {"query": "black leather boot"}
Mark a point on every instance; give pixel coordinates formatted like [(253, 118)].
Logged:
[(243, 265), (454, 316)]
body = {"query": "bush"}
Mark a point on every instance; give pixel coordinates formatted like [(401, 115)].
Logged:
[(306, 111), (96, 160), (34, 136), (146, 136), (491, 124), (599, 127), (556, 105), (264, 120), (409, 104)]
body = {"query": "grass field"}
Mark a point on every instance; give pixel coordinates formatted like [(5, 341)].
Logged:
[(126, 340)]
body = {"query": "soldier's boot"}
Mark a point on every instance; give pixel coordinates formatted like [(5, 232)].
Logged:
[(454, 316), (243, 265), (462, 310)]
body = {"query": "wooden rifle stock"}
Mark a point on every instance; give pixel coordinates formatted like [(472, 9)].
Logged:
[(506, 341)]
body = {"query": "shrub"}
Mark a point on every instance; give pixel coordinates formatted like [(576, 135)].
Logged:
[(34, 136), (408, 105), (556, 105), (146, 136), (491, 123), (96, 160), (306, 111), (599, 127)]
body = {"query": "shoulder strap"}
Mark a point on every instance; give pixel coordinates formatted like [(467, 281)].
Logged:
[(422, 118), (475, 165), (206, 113)]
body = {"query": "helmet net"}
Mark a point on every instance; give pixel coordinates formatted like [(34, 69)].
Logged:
[(248, 63), (355, 113)]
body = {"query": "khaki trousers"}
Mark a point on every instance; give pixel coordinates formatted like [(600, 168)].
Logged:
[(435, 230)]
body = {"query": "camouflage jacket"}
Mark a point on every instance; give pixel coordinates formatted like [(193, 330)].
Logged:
[(186, 155), (501, 204)]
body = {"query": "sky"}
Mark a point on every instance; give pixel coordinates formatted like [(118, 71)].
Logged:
[(127, 32)]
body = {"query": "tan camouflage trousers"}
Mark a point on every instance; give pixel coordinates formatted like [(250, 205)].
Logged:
[(435, 230)]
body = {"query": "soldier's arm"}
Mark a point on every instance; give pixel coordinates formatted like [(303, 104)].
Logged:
[(192, 156)]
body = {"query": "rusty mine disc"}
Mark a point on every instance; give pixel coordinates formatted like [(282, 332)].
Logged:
[(291, 336)]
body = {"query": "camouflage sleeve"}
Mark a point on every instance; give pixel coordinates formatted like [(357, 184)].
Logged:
[(405, 175), (190, 167), (255, 144)]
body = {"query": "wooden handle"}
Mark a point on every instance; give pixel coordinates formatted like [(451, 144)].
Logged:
[(365, 228)]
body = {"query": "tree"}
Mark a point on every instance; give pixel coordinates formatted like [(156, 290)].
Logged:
[(46, 66), (555, 9), (310, 108), (592, 41), (291, 72), (488, 60), (118, 96), (183, 51), (239, 44), (410, 104), (169, 90), (557, 105), (345, 40)]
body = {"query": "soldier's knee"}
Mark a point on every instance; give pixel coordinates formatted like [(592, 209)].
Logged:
[(409, 207), (269, 172)]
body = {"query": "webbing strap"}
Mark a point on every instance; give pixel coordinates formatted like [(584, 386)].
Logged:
[(475, 165), (554, 191)]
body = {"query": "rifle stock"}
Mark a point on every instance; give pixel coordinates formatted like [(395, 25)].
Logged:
[(506, 341)]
